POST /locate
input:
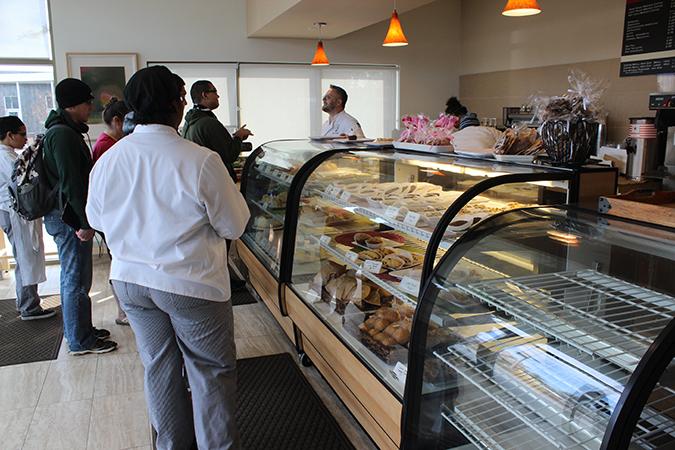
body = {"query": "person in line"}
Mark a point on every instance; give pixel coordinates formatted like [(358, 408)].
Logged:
[(24, 235), (466, 119), (203, 128), (67, 163), (113, 117), (171, 279), (339, 123)]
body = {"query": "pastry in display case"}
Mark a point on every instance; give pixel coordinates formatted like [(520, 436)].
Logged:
[(554, 329), (369, 234)]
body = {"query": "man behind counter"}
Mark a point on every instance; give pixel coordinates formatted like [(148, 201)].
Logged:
[(339, 123)]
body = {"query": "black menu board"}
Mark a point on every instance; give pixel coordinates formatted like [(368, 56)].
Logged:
[(648, 31)]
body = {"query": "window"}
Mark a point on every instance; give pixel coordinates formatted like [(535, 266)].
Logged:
[(24, 30), (283, 101), (11, 102), (224, 79)]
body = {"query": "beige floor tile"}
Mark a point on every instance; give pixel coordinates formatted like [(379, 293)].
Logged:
[(253, 320), (262, 345), (60, 426), (20, 385), (118, 373), (119, 422), (68, 381), (14, 427)]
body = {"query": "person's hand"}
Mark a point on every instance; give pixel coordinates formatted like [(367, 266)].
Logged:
[(243, 133), (85, 235)]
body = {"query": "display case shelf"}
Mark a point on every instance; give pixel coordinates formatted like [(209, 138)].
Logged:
[(595, 313)]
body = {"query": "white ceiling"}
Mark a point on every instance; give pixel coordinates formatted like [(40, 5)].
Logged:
[(296, 18)]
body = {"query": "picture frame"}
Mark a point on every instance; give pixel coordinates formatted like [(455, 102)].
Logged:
[(105, 73)]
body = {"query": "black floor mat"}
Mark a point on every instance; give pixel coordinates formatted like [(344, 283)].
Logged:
[(278, 409), (28, 341), (243, 297)]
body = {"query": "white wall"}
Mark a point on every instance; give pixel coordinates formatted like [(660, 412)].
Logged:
[(215, 30), (567, 31)]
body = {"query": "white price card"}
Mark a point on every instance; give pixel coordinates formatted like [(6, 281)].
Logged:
[(325, 240), (287, 177), (352, 256), (411, 219), (400, 371), (345, 196), (372, 266), (329, 190), (410, 285), (391, 212)]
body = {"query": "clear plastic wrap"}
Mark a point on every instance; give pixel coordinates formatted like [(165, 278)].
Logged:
[(519, 140)]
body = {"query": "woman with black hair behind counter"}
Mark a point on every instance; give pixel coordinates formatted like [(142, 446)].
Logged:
[(466, 119)]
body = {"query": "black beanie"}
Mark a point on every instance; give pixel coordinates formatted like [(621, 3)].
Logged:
[(71, 92), (150, 93)]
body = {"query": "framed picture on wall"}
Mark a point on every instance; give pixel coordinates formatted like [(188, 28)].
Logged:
[(105, 73)]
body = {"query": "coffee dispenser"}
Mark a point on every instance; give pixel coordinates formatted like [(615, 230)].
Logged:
[(664, 122)]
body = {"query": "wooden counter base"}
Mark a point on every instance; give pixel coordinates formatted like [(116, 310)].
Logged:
[(377, 410), (266, 286)]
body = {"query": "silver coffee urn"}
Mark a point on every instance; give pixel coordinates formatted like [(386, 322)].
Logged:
[(643, 158), (664, 105)]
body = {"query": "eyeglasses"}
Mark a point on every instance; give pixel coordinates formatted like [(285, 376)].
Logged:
[(209, 91)]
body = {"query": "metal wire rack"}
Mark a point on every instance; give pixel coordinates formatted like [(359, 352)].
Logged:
[(598, 314)]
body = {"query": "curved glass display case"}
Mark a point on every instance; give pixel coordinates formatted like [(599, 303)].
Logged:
[(546, 328), (367, 220)]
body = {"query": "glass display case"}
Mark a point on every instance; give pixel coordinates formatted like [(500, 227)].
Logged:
[(546, 328), (367, 220), (266, 183)]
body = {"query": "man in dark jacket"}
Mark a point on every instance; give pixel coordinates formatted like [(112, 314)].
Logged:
[(67, 162), (203, 128)]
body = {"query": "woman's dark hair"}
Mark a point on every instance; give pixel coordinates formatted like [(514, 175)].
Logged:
[(455, 108), (151, 94), (114, 108), (9, 124)]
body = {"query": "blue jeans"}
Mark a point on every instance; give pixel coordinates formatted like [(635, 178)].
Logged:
[(76, 276)]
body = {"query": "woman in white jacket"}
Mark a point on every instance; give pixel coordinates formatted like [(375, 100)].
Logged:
[(25, 236)]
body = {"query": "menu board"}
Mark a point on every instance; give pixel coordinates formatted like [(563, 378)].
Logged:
[(648, 37)]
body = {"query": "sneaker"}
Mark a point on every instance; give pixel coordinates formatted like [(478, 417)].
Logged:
[(44, 314), (100, 346), (101, 333)]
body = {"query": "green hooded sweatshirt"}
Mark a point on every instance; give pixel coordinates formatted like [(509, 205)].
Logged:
[(203, 128), (68, 163)]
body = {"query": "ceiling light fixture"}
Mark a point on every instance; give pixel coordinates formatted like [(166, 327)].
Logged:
[(521, 8), (395, 36), (320, 57)]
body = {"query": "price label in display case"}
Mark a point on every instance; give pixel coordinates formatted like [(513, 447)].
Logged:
[(352, 256), (411, 219), (372, 266), (400, 371), (410, 285), (329, 190), (325, 240), (345, 196), (391, 212)]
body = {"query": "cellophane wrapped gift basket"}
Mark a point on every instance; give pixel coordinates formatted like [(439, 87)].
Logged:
[(570, 123)]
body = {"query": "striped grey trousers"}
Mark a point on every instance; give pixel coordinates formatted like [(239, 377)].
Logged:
[(172, 330)]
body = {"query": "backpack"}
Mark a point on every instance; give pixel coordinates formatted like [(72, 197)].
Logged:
[(31, 195)]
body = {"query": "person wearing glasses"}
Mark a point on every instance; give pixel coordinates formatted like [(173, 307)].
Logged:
[(203, 128), (24, 235), (67, 163)]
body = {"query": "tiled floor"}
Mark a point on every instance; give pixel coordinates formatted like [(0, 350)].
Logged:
[(96, 401)]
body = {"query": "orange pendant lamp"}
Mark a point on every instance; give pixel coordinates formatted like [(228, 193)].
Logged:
[(521, 8), (320, 57), (395, 36)]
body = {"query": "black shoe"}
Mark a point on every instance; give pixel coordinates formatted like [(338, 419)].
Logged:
[(237, 285), (44, 314), (101, 333), (100, 346)]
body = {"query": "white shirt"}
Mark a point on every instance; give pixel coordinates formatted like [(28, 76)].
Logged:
[(342, 123), (166, 206)]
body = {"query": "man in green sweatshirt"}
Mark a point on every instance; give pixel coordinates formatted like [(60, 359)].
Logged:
[(67, 163), (203, 128)]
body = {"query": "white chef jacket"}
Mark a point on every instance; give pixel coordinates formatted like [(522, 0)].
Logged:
[(342, 123), (166, 206)]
